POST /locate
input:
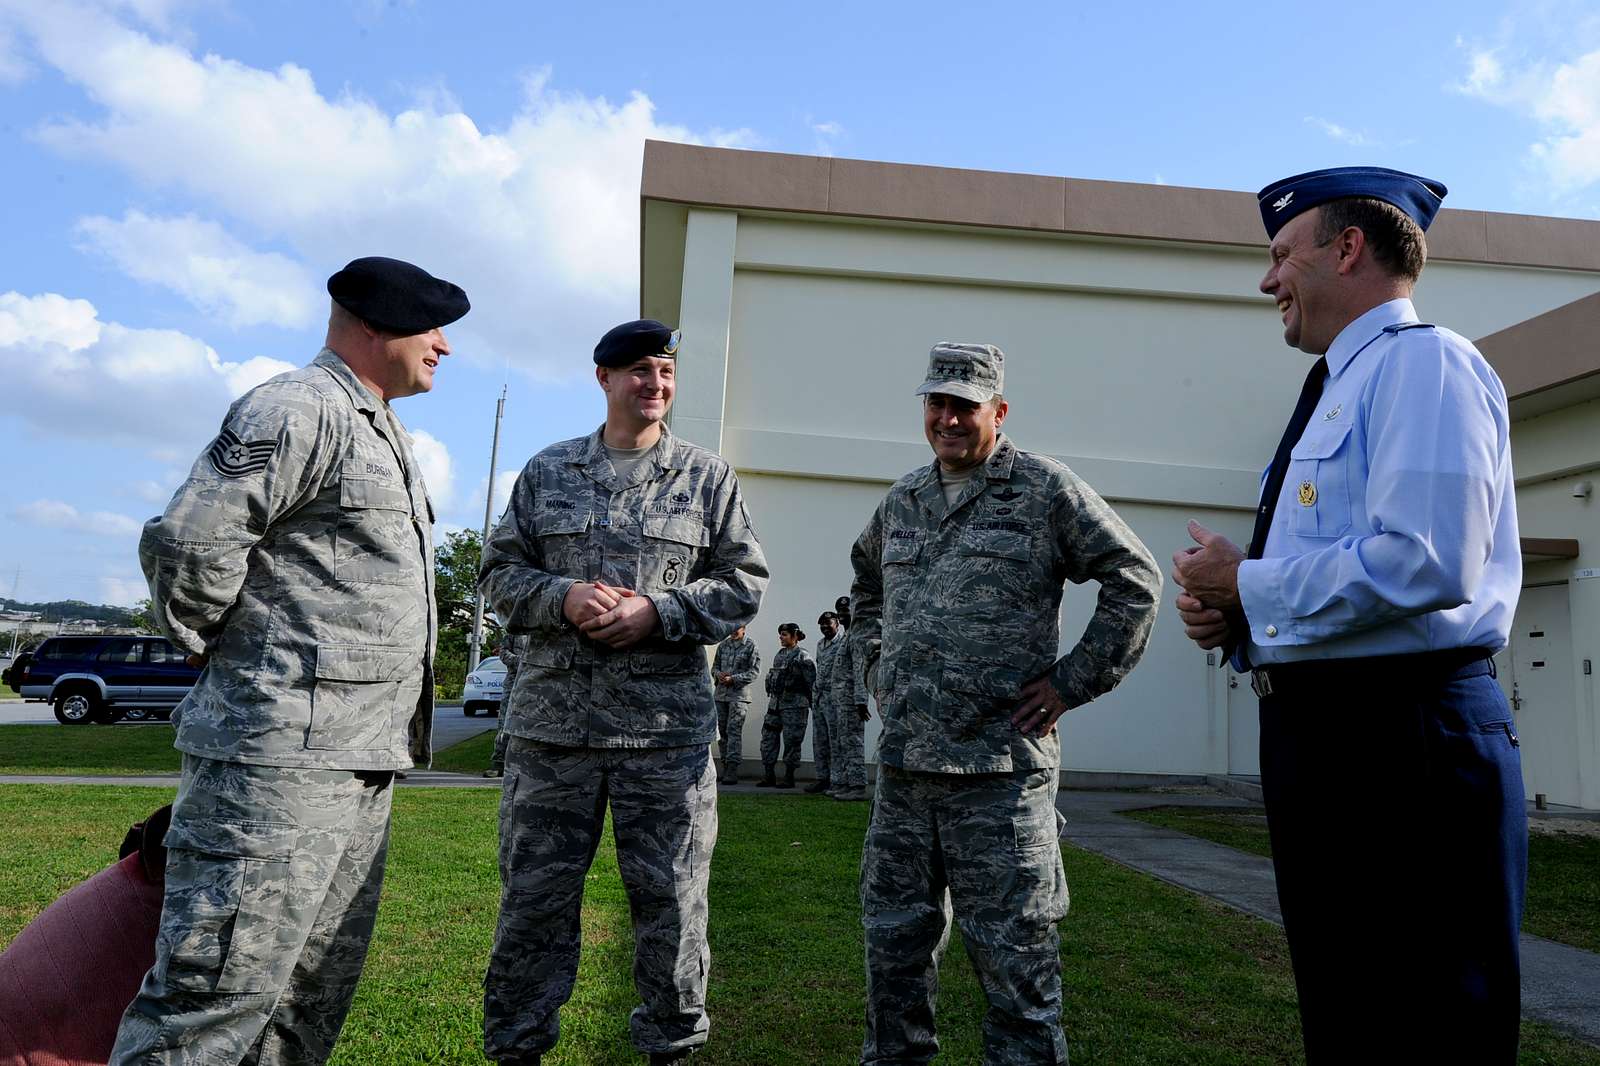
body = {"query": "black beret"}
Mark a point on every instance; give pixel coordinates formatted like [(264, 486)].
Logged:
[(396, 296), (632, 341), (1282, 200)]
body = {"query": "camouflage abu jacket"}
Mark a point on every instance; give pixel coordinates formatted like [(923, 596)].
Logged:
[(966, 604), (742, 659), (792, 679), (299, 556), (676, 532), (841, 671)]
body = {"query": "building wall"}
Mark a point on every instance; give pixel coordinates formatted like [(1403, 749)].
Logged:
[(1155, 369)]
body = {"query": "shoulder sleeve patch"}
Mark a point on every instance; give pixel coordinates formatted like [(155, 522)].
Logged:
[(236, 458)]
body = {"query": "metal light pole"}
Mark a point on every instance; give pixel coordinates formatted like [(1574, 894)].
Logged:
[(488, 513)]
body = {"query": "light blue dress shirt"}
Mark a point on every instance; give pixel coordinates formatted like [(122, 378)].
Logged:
[(1396, 530)]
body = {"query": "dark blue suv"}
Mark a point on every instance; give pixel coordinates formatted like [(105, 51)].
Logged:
[(104, 679)]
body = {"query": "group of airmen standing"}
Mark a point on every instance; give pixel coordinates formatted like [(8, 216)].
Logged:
[(296, 563)]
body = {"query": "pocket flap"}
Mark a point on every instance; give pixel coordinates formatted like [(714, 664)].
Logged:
[(983, 679), (676, 528), (362, 662), (997, 542), (367, 493), (902, 549), (273, 841), (551, 522), (1321, 441), (557, 653)]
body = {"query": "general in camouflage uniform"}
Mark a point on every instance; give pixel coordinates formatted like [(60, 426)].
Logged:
[(621, 556), (846, 691), (737, 663), (958, 582), (789, 685), (297, 561)]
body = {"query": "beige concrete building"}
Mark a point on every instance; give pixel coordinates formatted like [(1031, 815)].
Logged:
[(1139, 352)]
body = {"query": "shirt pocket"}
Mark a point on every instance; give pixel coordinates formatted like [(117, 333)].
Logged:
[(375, 543), (353, 697), (1317, 485), (562, 536), (671, 550)]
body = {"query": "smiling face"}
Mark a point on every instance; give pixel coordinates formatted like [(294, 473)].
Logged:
[(1303, 277), (410, 361), (961, 432), (639, 394), (786, 638), (828, 626)]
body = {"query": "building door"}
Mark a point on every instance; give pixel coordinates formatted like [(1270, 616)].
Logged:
[(1539, 685)]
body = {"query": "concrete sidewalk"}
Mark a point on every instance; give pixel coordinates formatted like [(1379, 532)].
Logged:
[(1560, 984)]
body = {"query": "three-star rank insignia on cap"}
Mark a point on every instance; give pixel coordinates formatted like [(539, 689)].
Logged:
[(233, 457), (1308, 494)]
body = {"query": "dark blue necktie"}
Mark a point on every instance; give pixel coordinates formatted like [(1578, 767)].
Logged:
[(1310, 393)]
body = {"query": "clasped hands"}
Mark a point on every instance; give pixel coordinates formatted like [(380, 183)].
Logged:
[(1208, 575), (616, 617)]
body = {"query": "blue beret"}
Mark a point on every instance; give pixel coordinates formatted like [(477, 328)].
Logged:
[(632, 341), (1282, 200), (396, 296)]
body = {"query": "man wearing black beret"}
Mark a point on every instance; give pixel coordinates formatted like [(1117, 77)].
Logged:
[(621, 556), (296, 564), (1381, 578)]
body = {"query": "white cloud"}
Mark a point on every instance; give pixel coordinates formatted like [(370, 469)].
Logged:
[(13, 68), (1562, 98), (123, 591), (537, 220), (1340, 133), (149, 491), (198, 260), (58, 514), (504, 482), (824, 134), (437, 470), (68, 372)]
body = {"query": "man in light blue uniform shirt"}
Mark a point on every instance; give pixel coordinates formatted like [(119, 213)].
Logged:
[(1383, 573)]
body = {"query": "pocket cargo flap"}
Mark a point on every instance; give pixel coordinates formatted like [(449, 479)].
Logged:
[(902, 549), (983, 679), (1321, 441), (999, 543), (366, 494), (272, 841), (558, 523), (363, 662), (676, 528)]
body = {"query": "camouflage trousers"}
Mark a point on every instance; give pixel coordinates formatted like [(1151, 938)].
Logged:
[(822, 717), (789, 725), (730, 732), (497, 761), (271, 893), (988, 844), (552, 810), (847, 749)]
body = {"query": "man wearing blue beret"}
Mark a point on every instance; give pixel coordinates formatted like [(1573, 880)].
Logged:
[(296, 564), (622, 554), (1382, 574)]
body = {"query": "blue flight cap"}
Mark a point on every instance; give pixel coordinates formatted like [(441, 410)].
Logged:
[(626, 344), (396, 296), (1282, 200)]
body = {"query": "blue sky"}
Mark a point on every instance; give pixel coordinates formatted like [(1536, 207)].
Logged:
[(182, 175)]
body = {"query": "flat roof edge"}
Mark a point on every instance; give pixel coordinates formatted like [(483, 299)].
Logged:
[(741, 179)]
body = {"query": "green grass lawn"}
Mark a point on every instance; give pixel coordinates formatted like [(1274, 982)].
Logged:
[(98, 750), (1563, 900), (1153, 974), (471, 756)]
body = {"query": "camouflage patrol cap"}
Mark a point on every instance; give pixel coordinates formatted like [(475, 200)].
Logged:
[(975, 372)]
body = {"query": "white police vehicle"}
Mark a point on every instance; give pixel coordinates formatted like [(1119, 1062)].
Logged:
[(484, 688)]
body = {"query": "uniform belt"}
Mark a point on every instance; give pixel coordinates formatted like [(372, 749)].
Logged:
[(1446, 664)]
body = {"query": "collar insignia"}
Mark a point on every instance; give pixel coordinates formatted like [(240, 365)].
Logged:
[(1331, 415)]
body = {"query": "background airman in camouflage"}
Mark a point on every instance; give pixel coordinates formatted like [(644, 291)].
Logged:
[(790, 684), (958, 584), (737, 663), (847, 690), (822, 709), (508, 656), (621, 556), (297, 563)]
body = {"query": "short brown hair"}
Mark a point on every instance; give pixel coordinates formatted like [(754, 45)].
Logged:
[(1393, 236)]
